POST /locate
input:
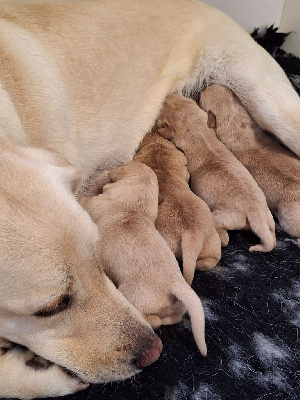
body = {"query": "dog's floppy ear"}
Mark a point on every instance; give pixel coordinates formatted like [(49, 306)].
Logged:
[(211, 119), (164, 128)]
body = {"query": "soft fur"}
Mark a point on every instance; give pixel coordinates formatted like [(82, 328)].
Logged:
[(87, 80), (134, 254), (217, 176), (183, 219), (275, 169)]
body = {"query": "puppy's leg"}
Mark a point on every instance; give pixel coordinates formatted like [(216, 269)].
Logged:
[(153, 320), (289, 218), (23, 376), (210, 253), (191, 246), (224, 220)]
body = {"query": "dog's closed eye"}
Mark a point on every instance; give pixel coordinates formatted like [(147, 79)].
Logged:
[(61, 304)]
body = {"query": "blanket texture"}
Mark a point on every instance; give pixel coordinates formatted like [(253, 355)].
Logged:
[(252, 307)]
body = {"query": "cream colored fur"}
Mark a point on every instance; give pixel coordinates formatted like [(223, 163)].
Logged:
[(86, 80), (233, 196), (134, 254), (183, 219), (275, 169), (18, 379)]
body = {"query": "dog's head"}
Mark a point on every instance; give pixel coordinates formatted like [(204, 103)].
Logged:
[(55, 298)]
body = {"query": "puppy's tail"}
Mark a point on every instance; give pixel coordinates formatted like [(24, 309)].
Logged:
[(264, 227), (194, 307), (191, 247)]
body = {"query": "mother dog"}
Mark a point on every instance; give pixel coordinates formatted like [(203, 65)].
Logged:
[(84, 82)]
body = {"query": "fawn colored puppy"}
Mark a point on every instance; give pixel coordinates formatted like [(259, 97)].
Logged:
[(235, 199), (183, 219), (134, 254), (275, 169)]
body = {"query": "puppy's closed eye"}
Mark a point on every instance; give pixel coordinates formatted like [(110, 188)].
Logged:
[(61, 304)]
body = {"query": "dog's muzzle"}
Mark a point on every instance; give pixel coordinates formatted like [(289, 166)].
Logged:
[(149, 353)]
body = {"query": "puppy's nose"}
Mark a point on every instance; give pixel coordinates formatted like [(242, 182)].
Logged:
[(149, 353)]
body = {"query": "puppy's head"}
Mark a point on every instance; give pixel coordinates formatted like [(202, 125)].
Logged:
[(55, 298), (135, 186), (219, 99), (178, 118)]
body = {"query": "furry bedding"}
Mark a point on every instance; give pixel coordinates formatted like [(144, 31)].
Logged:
[(252, 306)]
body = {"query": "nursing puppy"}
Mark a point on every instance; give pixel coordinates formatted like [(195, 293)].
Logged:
[(275, 169), (134, 254), (183, 219), (217, 176)]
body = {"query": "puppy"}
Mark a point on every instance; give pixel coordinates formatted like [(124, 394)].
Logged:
[(134, 254), (183, 219), (217, 176), (275, 169)]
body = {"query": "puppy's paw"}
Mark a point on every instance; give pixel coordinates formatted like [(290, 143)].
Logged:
[(223, 236), (205, 264), (153, 320)]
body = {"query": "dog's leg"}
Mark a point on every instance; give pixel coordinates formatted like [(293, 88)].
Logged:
[(24, 375), (265, 91), (232, 58)]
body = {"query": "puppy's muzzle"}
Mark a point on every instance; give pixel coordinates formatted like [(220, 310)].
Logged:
[(149, 353)]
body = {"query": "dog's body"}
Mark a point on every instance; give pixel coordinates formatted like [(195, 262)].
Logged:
[(134, 254), (183, 219), (87, 81), (278, 177), (233, 196)]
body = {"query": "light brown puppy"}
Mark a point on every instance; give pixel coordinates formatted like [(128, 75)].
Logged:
[(217, 176), (275, 169), (183, 219), (134, 254)]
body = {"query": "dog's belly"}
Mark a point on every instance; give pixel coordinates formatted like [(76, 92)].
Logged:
[(89, 85)]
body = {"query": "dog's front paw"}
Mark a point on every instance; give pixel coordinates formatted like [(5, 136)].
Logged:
[(25, 375)]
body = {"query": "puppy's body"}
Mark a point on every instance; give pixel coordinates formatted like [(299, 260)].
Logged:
[(134, 254), (87, 81), (217, 176), (275, 169), (183, 219)]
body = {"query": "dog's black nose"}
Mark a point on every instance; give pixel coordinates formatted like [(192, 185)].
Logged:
[(149, 353)]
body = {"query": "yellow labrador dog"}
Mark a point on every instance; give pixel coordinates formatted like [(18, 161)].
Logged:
[(86, 80)]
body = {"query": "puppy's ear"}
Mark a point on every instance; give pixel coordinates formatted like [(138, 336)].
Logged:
[(211, 120), (160, 199), (164, 129)]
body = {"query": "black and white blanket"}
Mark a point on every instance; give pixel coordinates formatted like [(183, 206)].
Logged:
[(252, 307)]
